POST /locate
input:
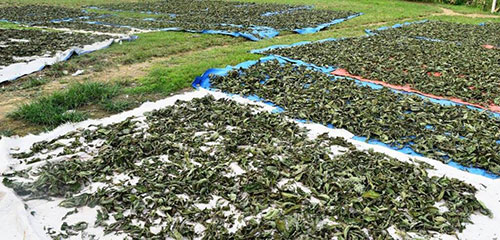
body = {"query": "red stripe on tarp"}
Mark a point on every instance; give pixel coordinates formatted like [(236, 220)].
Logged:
[(408, 88), (487, 46)]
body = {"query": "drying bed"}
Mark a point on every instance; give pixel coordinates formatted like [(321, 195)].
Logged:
[(402, 121), (205, 14), (87, 26), (250, 20), (58, 17), (462, 73), (38, 14), (24, 45), (219, 169), (27, 51), (487, 34)]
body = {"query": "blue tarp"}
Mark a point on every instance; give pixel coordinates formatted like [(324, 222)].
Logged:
[(204, 82), (408, 150), (324, 25), (330, 69), (398, 25), (373, 32), (263, 32), (8, 21), (263, 50), (257, 32)]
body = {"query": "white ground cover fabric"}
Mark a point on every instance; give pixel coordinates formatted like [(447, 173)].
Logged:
[(18, 223), (16, 70)]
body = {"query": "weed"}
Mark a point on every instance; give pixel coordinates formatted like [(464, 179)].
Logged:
[(116, 106), (59, 107), (34, 82)]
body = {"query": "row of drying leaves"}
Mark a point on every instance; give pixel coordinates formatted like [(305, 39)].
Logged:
[(487, 34), (182, 156), (441, 132), (462, 70), (237, 13), (39, 43), (184, 14)]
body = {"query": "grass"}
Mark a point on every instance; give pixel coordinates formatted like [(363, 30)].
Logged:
[(470, 9), (59, 107), (180, 57), (35, 82), (462, 19), (179, 71), (148, 46), (129, 14), (8, 25), (6, 133), (116, 106)]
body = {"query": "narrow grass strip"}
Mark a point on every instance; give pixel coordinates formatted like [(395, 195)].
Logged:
[(59, 107)]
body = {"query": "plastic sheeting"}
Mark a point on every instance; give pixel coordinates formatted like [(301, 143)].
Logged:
[(18, 223), (398, 25), (375, 84), (409, 151), (493, 108), (203, 81), (16, 70), (257, 32), (373, 32), (325, 25)]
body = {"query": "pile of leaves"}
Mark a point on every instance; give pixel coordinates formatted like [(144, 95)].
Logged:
[(487, 34), (217, 169), (180, 14), (58, 17), (445, 69), (88, 26), (20, 45), (441, 132), (37, 14), (205, 14)]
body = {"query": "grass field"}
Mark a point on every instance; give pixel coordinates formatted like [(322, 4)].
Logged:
[(161, 63)]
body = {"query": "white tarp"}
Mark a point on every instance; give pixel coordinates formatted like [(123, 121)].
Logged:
[(18, 223), (16, 70)]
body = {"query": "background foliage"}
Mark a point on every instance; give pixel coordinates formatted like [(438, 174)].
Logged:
[(484, 4)]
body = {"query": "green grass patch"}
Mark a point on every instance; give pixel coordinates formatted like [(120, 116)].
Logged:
[(6, 133), (178, 72), (124, 13), (8, 25), (116, 106), (459, 19), (148, 46), (34, 82), (59, 107), (471, 9)]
